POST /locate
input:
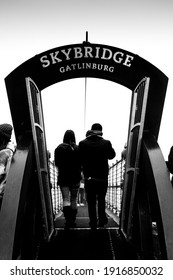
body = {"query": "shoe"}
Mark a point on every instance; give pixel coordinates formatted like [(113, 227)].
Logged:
[(66, 226), (103, 222), (73, 225), (101, 225), (93, 226)]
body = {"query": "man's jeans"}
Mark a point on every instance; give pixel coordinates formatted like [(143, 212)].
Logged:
[(96, 192)]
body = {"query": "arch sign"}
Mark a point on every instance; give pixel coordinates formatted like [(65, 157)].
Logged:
[(85, 60)]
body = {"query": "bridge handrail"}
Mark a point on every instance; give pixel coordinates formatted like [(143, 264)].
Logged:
[(22, 224), (55, 189), (24, 220), (114, 192), (163, 194), (149, 228), (115, 187)]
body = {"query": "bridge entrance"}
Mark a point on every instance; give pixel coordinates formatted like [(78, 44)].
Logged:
[(145, 200)]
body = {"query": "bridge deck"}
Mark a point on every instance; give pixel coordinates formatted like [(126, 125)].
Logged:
[(80, 243)]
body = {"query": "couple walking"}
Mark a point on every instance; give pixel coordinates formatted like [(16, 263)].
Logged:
[(90, 157)]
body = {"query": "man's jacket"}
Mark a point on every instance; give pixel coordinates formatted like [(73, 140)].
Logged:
[(95, 153)]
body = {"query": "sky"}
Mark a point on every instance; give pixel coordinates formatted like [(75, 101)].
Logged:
[(141, 27)]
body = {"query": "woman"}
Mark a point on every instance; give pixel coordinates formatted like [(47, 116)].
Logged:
[(6, 153), (67, 161)]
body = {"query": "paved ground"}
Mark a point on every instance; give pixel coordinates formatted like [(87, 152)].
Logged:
[(80, 243)]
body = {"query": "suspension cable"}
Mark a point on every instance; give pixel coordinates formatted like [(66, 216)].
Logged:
[(85, 104), (85, 98)]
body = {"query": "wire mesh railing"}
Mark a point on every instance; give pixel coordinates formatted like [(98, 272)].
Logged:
[(114, 192), (115, 187), (55, 189)]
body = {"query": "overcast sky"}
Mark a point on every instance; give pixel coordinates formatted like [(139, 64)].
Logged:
[(141, 27)]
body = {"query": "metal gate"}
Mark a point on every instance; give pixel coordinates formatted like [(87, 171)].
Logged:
[(38, 132), (136, 127)]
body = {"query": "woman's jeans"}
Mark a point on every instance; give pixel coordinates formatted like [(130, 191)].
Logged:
[(69, 195)]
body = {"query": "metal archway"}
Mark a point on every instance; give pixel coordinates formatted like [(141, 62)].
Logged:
[(85, 60)]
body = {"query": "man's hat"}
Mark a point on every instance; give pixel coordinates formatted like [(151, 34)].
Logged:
[(97, 128), (6, 130)]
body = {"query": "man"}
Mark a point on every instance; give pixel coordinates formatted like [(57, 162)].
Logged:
[(95, 152)]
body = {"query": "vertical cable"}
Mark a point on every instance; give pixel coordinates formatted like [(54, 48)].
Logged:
[(85, 104), (85, 98)]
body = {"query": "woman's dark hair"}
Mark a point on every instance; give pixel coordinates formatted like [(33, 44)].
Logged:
[(69, 137)]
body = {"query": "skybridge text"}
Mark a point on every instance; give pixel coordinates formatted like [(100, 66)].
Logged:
[(86, 52)]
